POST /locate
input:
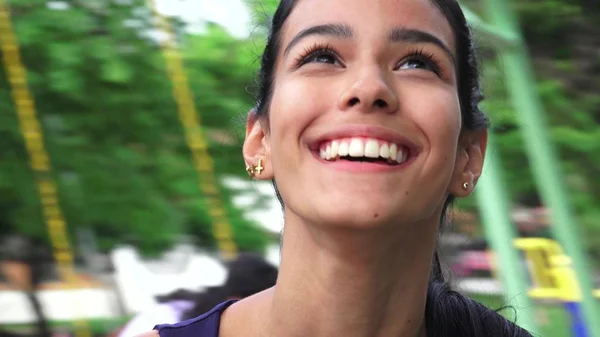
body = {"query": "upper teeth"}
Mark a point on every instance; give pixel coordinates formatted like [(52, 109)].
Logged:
[(362, 147)]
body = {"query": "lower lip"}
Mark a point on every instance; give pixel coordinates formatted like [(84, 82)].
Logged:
[(363, 167)]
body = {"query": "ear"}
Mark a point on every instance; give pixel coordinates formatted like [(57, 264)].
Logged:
[(257, 147), (469, 162)]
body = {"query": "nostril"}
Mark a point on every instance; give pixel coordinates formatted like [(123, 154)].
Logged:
[(380, 103), (354, 101)]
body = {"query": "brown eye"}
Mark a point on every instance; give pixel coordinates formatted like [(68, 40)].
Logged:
[(319, 54), (419, 60), (322, 57), (414, 64)]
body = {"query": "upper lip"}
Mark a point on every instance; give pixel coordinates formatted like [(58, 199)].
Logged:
[(363, 130)]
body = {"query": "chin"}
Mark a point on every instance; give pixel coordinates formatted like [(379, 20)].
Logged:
[(368, 211), (359, 218)]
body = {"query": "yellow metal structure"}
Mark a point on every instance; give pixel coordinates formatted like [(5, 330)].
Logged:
[(551, 271), (38, 157), (196, 141)]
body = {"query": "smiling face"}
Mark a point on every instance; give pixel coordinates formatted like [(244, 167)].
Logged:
[(364, 126)]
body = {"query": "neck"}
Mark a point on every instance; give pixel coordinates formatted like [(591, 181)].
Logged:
[(352, 283)]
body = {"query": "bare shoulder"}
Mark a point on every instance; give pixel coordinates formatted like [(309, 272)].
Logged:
[(246, 317), (152, 333)]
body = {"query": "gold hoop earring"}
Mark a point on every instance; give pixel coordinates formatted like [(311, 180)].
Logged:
[(466, 186)]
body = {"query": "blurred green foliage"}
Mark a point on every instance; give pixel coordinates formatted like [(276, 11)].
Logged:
[(111, 125)]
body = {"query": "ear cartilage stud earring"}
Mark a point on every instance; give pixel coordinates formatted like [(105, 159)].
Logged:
[(259, 168), (250, 170), (254, 170)]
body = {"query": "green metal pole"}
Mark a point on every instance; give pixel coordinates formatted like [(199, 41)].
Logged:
[(495, 213), (499, 38), (521, 84)]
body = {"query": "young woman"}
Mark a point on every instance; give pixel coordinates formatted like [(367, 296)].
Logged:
[(367, 121)]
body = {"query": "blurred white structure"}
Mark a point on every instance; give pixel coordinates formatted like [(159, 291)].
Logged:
[(138, 282), (59, 305)]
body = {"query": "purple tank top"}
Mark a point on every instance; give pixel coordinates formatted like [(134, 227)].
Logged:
[(206, 325)]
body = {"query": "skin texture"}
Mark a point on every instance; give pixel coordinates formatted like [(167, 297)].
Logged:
[(358, 246)]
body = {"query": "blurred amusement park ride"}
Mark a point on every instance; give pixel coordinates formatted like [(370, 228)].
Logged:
[(556, 269)]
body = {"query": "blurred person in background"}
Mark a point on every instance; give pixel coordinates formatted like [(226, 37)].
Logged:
[(247, 275), (21, 264)]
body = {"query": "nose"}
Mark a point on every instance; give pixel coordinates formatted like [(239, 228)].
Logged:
[(369, 92)]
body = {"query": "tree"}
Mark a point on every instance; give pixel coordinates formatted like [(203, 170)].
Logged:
[(111, 127)]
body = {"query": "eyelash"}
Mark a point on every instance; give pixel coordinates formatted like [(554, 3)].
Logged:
[(425, 57), (319, 49), (316, 49)]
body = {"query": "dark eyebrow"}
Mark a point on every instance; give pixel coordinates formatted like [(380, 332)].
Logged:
[(412, 35), (335, 30)]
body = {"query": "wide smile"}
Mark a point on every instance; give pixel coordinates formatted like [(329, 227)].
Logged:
[(351, 151)]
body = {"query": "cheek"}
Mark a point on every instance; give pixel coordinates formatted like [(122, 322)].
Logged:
[(296, 103), (436, 111)]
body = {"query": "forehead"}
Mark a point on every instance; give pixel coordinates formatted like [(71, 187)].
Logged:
[(371, 17)]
